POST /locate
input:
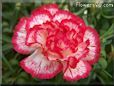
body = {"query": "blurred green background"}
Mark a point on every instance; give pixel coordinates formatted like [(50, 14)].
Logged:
[(101, 18)]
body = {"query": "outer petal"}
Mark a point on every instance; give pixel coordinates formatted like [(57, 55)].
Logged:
[(62, 14), (38, 18), (82, 70), (81, 51), (94, 46), (52, 8), (38, 66), (19, 38)]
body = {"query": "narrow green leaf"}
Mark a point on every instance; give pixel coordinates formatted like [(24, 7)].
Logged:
[(90, 77), (104, 76), (81, 11), (103, 63), (7, 63), (7, 30), (85, 20), (100, 78), (107, 16), (109, 32), (7, 47), (108, 74), (6, 38)]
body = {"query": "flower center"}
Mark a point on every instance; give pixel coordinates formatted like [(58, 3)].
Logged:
[(58, 42)]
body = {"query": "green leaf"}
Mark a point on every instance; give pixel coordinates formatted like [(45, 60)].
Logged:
[(14, 62), (107, 12), (108, 74), (7, 47), (5, 61), (106, 16), (6, 38), (21, 81), (103, 63), (104, 77), (100, 78), (85, 20), (81, 11), (90, 77), (108, 33), (7, 30), (96, 66), (103, 52)]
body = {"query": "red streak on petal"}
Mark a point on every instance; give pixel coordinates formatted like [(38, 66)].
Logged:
[(72, 62)]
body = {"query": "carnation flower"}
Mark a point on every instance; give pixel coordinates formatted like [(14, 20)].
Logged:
[(58, 41)]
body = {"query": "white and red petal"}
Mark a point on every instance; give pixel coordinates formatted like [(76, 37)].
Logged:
[(38, 18), (72, 61), (19, 38), (74, 25), (40, 36), (81, 70), (82, 50), (30, 39), (94, 45), (52, 8), (53, 56), (38, 66), (62, 14)]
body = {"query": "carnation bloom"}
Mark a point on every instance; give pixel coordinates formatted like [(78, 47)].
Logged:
[(58, 41)]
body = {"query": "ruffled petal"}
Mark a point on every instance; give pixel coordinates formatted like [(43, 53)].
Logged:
[(38, 18), (81, 70), (62, 14), (52, 8), (94, 45), (38, 66), (19, 38), (79, 29), (30, 39), (40, 36), (74, 25), (82, 50)]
